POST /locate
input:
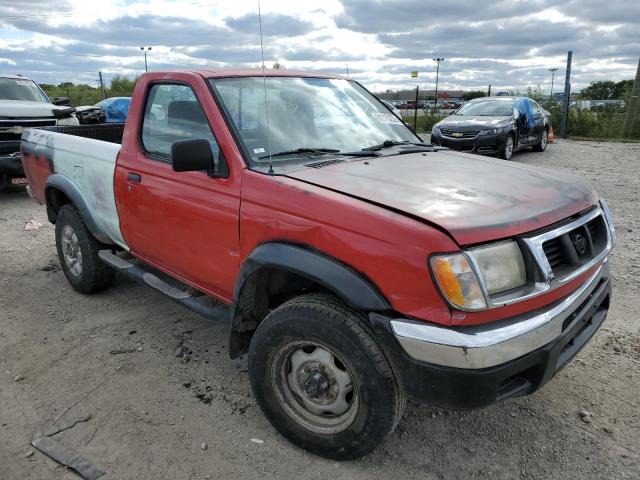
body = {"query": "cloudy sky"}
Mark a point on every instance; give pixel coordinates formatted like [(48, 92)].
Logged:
[(509, 44)]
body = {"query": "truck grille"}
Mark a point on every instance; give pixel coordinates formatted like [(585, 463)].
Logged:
[(577, 247), (459, 134), (11, 129)]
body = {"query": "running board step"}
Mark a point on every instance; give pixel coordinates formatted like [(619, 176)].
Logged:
[(202, 305)]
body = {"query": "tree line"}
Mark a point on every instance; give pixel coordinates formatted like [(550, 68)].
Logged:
[(83, 94)]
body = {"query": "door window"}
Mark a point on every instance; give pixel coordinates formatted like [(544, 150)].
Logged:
[(173, 113)]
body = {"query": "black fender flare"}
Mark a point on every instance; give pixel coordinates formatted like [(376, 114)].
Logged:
[(66, 186), (351, 286)]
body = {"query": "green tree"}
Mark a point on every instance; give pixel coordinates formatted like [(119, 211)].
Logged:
[(473, 94), (121, 86), (602, 90)]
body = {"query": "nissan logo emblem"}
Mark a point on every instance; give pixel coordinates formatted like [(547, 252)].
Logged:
[(580, 243)]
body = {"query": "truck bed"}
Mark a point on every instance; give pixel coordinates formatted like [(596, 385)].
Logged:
[(83, 159)]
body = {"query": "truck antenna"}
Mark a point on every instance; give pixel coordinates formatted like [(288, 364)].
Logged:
[(264, 86)]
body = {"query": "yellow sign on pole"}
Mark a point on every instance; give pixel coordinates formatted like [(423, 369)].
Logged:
[(414, 74)]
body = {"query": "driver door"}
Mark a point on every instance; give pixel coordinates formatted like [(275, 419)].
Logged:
[(185, 223)]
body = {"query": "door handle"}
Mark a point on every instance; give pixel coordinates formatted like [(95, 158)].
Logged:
[(134, 177)]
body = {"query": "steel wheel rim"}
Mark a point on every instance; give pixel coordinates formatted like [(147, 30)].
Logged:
[(71, 250), (315, 387), (508, 148)]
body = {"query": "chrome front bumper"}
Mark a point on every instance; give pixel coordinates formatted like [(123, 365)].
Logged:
[(483, 346)]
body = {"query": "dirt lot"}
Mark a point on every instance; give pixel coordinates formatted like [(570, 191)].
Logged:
[(153, 416)]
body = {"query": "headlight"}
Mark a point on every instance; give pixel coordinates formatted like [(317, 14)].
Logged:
[(609, 218), (501, 266), (489, 131), (71, 120), (464, 277)]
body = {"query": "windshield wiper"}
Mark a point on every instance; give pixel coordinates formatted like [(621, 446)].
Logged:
[(310, 150), (321, 151), (393, 143)]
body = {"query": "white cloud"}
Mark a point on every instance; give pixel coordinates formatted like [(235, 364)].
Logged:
[(508, 43)]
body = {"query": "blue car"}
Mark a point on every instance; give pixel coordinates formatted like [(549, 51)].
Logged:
[(115, 109)]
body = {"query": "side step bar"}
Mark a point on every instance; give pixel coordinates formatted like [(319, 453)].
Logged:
[(202, 305)]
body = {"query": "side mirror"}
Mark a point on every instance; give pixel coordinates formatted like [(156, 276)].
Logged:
[(62, 101), (193, 156)]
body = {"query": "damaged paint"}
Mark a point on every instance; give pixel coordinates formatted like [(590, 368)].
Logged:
[(88, 163), (476, 199)]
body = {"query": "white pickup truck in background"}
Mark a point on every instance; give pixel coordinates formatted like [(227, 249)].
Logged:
[(24, 104)]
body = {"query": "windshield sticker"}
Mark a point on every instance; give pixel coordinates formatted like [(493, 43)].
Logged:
[(258, 150), (23, 82), (387, 118)]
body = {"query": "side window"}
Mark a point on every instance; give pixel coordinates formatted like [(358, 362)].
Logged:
[(173, 113)]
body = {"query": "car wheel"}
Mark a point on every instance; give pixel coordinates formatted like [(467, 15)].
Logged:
[(322, 380), (507, 148), (4, 182), (78, 253), (541, 146)]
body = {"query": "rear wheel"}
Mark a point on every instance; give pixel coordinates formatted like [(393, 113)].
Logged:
[(322, 380), (541, 146), (78, 253), (508, 147)]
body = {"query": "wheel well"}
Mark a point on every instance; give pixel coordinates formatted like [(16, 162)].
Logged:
[(264, 290), (55, 200)]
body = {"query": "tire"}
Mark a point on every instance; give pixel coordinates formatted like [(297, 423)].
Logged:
[(75, 242), (506, 153), (541, 146), (324, 337)]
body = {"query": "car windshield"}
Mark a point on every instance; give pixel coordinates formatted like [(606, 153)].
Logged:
[(487, 108), (306, 115), (20, 89)]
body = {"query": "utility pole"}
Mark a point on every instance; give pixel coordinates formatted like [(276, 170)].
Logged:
[(632, 107), (145, 50), (567, 95), (415, 111), (489, 91), (553, 72), (104, 93), (347, 70), (437, 60)]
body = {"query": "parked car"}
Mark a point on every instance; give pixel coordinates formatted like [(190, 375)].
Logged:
[(494, 125), (356, 265), (109, 110), (392, 107), (24, 104)]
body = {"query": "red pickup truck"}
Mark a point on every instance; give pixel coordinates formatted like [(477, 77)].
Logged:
[(356, 265)]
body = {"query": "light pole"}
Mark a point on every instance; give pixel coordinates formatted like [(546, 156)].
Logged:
[(553, 72), (437, 60), (145, 50)]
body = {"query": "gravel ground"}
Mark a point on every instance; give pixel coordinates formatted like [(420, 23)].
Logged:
[(160, 416)]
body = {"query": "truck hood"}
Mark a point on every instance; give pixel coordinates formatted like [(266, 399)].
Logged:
[(25, 109), (476, 199)]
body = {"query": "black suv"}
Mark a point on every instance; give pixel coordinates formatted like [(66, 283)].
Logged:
[(494, 126)]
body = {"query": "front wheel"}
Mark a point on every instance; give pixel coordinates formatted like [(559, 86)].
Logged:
[(541, 146), (322, 380), (508, 147), (78, 253)]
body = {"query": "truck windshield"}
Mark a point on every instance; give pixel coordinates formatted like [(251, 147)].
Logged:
[(488, 108), (306, 116), (20, 89)]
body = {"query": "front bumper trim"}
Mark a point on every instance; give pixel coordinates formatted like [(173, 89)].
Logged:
[(483, 346)]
